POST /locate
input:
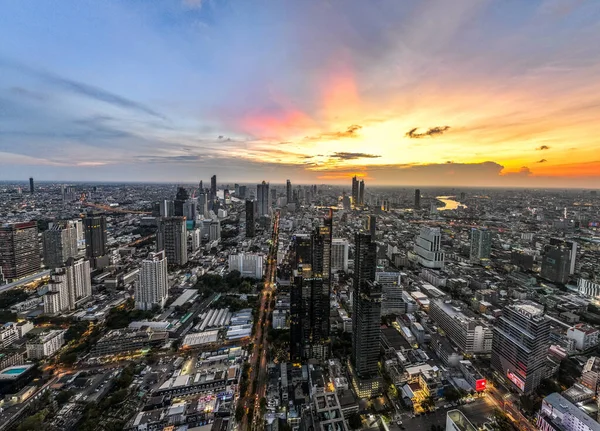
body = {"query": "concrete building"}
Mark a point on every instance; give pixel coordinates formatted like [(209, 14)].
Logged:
[(60, 243), (572, 247), (392, 301), (559, 414), (263, 199), (45, 344), (471, 335), (95, 240), (457, 421), (250, 221), (481, 244), (19, 250), (339, 255), (556, 264), (585, 336), (153, 286), (588, 288), (171, 237), (248, 264), (8, 334), (520, 345), (428, 248), (214, 231)]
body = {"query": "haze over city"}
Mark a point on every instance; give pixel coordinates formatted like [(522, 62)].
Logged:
[(396, 92)]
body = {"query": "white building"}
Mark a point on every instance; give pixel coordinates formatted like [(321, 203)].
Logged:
[(280, 319), (339, 255), (8, 334), (457, 421), (69, 285), (588, 288), (248, 264), (153, 287), (393, 302), (46, 344), (558, 413), (585, 336), (195, 238), (428, 247), (56, 299)]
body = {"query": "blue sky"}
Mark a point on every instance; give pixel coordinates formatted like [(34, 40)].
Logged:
[(310, 90)]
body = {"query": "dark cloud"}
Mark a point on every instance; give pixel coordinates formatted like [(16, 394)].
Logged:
[(432, 131), (350, 132), (543, 147), (353, 156), (81, 89), (542, 161)]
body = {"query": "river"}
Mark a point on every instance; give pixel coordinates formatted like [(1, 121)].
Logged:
[(451, 204)]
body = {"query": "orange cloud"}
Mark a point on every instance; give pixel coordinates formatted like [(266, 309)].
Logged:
[(588, 169), (279, 125), (340, 94)]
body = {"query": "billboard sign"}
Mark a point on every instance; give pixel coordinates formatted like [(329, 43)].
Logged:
[(516, 380), (480, 385)]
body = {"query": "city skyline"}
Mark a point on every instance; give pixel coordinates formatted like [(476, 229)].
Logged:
[(402, 93)]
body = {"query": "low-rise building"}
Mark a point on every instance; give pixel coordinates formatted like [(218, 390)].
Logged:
[(585, 336), (558, 413), (45, 344)]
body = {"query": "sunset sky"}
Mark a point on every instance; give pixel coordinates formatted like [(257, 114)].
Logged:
[(435, 92)]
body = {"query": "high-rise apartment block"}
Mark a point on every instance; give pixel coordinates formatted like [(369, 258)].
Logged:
[(428, 247), (520, 345), (171, 237), (481, 244), (248, 264), (95, 240), (391, 288), (69, 285), (180, 199), (572, 247), (152, 289), (263, 199), (469, 333), (339, 255), (19, 250), (60, 243), (556, 263), (417, 198), (31, 186)]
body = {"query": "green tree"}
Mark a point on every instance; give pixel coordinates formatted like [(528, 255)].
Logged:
[(263, 405), (239, 412)]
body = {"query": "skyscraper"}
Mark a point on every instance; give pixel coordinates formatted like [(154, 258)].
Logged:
[(417, 198), (556, 263), (213, 188), (202, 203), (31, 187), (190, 209), (481, 244), (263, 199), (571, 246), (95, 240), (60, 243), (180, 199), (310, 293), (339, 255), (79, 280), (250, 222), (372, 225), (520, 345), (19, 250), (288, 192), (354, 192), (153, 287), (361, 193), (242, 194), (366, 316), (171, 237), (167, 208), (428, 247)]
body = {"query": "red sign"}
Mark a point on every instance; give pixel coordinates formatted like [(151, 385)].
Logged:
[(516, 380), (480, 385)]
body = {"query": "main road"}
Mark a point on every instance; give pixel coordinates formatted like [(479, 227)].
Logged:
[(258, 358)]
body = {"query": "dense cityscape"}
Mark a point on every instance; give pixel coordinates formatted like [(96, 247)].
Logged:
[(220, 306)]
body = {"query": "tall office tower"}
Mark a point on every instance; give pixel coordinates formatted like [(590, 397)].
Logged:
[(273, 195), (202, 203), (288, 192), (361, 193), (95, 240), (339, 255), (417, 198), (385, 205), (263, 199), (372, 225), (236, 189), (171, 237), (481, 244), (250, 222), (153, 286), (19, 250), (311, 291), (78, 279), (391, 289), (462, 196), (366, 316), (428, 247), (572, 247), (520, 344), (31, 187), (213, 188), (301, 259), (60, 243), (242, 193), (200, 186), (190, 210), (354, 192), (180, 199), (167, 208), (556, 264)]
